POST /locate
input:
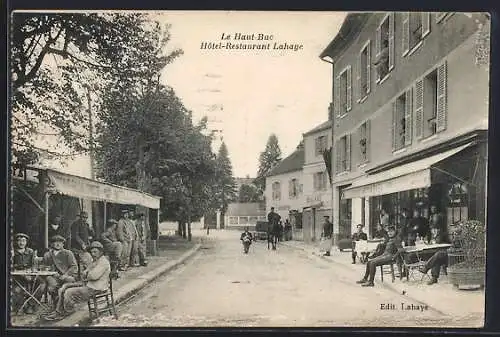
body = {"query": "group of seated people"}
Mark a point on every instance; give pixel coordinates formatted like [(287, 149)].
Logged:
[(67, 286)]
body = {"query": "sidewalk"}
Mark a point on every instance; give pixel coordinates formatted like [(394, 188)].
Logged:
[(172, 251), (442, 296)]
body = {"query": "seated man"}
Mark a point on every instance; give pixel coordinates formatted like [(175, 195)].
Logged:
[(359, 235), (380, 233), (391, 248), (63, 261), (246, 238), (95, 279), (440, 260), (112, 247), (23, 259)]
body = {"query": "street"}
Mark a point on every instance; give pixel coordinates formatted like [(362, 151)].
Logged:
[(223, 287)]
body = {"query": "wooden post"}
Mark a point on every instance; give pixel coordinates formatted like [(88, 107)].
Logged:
[(46, 228)]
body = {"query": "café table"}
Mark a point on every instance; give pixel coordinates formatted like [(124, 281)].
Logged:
[(414, 257), (33, 286), (365, 247)]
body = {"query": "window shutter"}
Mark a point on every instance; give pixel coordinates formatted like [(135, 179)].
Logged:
[(391, 41), (408, 114), (441, 98), (378, 41), (336, 103), (290, 188), (406, 32), (394, 125), (348, 152), (349, 89), (440, 16), (360, 69), (337, 156), (426, 24), (419, 109), (368, 140), (368, 67)]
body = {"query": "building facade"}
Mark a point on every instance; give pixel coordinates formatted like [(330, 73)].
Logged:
[(317, 200), (284, 190), (241, 215), (410, 110)]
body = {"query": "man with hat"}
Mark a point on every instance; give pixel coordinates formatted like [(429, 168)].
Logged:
[(359, 235), (140, 225), (23, 258), (62, 261), (125, 237), (391, 248), (327, 234), (81, 234), (112, 247), (94, 279)]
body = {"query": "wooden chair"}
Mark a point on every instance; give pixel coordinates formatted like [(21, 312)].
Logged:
[(395, 259), (412, 265), (103, 302)]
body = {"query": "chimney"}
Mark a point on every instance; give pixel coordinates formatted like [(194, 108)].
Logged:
[(301, 145)]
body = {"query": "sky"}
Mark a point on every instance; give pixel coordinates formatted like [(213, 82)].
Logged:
[(249, 94)]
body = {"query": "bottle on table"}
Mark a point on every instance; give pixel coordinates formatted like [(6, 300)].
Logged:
[(35, 260)]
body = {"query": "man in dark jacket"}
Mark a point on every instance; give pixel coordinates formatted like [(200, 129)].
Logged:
[(81, 234), (112, 247), (140, 241), (359, 235), (327, 232), (273, 220), (56, 227), (391, 248), (404, 225), (380, 233)]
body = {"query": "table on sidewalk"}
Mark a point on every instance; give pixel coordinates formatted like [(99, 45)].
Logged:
[(365, 247), (33, 286), (416, 256)]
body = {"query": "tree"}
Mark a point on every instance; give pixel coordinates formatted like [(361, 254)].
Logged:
[(249, 193), (56, 58), (226, 184), (268, 159)]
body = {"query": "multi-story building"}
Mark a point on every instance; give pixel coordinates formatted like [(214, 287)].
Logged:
[(410, 104), (316, 180), (284, 190)]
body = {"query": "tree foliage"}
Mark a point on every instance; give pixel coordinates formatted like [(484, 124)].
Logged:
[(57, 57), (226, 185), (268, 159), (249, 193)]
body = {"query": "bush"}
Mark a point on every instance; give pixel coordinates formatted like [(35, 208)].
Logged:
[(472, 252)]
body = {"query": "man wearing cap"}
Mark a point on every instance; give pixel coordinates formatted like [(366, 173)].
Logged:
[(125, 237), (81, 234), (359, 235), (94, 279), (112, 246), (62, 261), (23, 259), (140, 225), (391, 248), (327, 234)]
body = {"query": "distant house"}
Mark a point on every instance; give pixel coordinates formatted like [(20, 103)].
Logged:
[(240, 215), (243, 181), (284, 189)]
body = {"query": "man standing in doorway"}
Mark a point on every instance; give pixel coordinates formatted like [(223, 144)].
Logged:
[(327, 234)]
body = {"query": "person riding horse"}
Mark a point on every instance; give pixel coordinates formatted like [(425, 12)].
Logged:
[(273, 230)]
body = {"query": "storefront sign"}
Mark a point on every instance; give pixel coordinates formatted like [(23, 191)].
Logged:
[(419, 179), (93, 190)]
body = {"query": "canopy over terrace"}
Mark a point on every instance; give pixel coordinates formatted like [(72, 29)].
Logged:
[(85, 188)]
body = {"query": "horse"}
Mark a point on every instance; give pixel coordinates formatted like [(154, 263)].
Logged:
[(273, 234)]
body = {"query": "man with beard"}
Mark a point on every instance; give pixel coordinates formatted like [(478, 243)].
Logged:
[(391, 248), (63, 262)]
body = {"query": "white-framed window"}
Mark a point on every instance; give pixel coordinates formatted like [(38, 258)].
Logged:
[(431, 103), (402, 121), (320, 181), (416, 26), (343, 92), (321, 144), (293, 188), (276, 188), (343, 154), (364, 71), (364, 142), (384, 47)]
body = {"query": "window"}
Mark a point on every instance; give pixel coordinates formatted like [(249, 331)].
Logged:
[(233, 220), (321, 145), (343, 155), (457, 203), (401, 121), (320, 181), (343, 92), (364, 71), (364, 142), (430, 103), (276, 190), (416, 26), (384, 47), (293, 188)]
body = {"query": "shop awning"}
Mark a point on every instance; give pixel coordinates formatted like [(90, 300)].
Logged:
[(80, 187), (409, 176)]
